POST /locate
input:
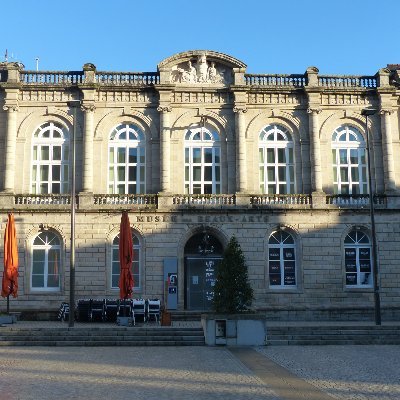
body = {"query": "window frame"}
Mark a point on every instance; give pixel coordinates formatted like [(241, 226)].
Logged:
[(46, 247), (265, 167), (208, 144), (135, 139)]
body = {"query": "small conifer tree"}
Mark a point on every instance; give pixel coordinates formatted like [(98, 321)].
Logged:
[(232, 290)]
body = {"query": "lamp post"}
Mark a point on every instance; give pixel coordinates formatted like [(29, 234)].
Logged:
[(367, 112), (71, 318)]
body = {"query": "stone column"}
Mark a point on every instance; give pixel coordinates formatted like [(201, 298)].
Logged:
[(10, 147), (165, 135), (87, 176), (241, 166), (316, 171), (388, 160)]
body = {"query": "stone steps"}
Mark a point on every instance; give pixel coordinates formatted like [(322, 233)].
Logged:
[(131, 336), (337, 334)]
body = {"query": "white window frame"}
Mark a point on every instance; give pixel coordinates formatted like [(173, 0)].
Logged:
[(134, 140), (355, 259), (52, 136), (203, 142), (280, 244), (51, 241), (349, 164), (136, 264), (276, 176)]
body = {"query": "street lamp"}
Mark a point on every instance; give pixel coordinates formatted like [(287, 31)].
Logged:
[(367, 112), (71, 318)]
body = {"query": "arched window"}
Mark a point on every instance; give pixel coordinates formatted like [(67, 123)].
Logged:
[(357, 259), (282, 260), (50, 159), (115, 267), (349, 161), (127, 160), (46, 262), (276, 163), (202, 161)]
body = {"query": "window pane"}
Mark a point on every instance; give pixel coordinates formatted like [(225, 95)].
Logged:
[(111, 155), (121, 155), (333, 156), (281, 156), (217, 174), (37, 281), (208, 189), (187, 155), (261, 156), (196, 173), (291, 173), (344, 174), (34, 154), (354, 174), (111, 174), (353, 156), (282, 174), (142, 174), (132, 174), (120, 189), (261, 174), (44, 153), (271, 174), (132, 189), (56, 172), (282, 189), (343, 156), (362, 156), (208, 173), (121, 173), (216, 155), (66, 153), (208, 155), (133, 155), (57, 153), (44, 172), (187, 173), (270, 156), (55, 188), (196, 155)]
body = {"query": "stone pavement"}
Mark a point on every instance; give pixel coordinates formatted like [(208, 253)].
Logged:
[(201, 373)]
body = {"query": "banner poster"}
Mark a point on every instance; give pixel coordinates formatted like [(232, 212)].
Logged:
[(274, 254), (275, 279), (351, 265), (350, 254), (288, 254), (274, 267), (365, 266), (289, 267), (351, 279), (365, 253), (290, 279)]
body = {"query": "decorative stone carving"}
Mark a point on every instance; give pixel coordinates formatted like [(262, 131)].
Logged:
[(199, 72), (239, 110), (164, 109), (88, 108), (13, 108), (384, 111), (313, 110)]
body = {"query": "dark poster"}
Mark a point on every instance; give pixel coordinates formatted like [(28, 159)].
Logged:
[(351, 279), (351, 266), (274, 254), (365, 266), (350, 254), (275, 279), (288, 254), (290, 279), (274, 267)]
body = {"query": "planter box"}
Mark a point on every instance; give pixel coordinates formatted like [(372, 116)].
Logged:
[(234, 329)]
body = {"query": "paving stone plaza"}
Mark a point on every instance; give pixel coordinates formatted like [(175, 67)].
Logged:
[(203, 373)]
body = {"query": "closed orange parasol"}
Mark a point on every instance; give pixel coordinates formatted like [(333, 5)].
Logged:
[(10, 274), (125, 258)]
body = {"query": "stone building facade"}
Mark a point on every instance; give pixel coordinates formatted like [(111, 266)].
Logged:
[(197, 152)]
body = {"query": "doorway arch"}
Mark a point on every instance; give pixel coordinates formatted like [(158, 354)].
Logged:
[(202, 252)]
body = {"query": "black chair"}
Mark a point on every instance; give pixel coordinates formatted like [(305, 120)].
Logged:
[(139, 310), (111, 306), (125, 308), (97, 310), (153, 309), (63, 311), (83, 310)]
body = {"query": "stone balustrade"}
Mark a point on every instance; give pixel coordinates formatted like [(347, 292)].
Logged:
[(204, 200), (43, 199), (51, 77), (277, 199), (122, 199), (361, 200), (294, 80), (344, 81), (127, 78)]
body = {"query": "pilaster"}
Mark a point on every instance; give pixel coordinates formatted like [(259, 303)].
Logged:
[(165, 136), (241, 166), (88, 109)]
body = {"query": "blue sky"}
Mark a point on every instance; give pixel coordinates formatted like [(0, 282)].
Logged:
[(284, 36)]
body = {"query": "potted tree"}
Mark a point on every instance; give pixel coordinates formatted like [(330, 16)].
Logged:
[(232, 321)]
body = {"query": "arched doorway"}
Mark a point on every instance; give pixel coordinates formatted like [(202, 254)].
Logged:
[(203, 251)]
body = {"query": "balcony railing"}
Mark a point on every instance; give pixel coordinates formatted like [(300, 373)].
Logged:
[(204, 200), (284, 199), (121, 199), (52, 77), (293, 80), (43, 199), (360, 200), (128, 78), (332, 81)]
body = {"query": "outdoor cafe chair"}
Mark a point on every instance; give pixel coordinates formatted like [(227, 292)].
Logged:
[(139, 309), (97, 310), (111, 306), (125, 308), (153, 309), (63, 312), (83, 310)]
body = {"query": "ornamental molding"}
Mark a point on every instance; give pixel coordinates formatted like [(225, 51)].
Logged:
[(164, 109), (386, 111), (11, 108), (314, 110), (275, 98), (88, 108), (239, 110)]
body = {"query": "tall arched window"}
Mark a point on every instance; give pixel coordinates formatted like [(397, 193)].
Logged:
[(357, 259), (282, 260), (115, 267), (202, 161), (349, 161), (276, 163), (127, 160), (50, 159), (46, 262)]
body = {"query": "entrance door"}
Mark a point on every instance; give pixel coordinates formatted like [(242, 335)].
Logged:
[(200, 281)]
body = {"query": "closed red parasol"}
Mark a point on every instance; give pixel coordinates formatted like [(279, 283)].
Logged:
[(10, 274), (125, 258)]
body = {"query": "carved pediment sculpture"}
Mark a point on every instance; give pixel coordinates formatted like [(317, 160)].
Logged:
[(200, 71)]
